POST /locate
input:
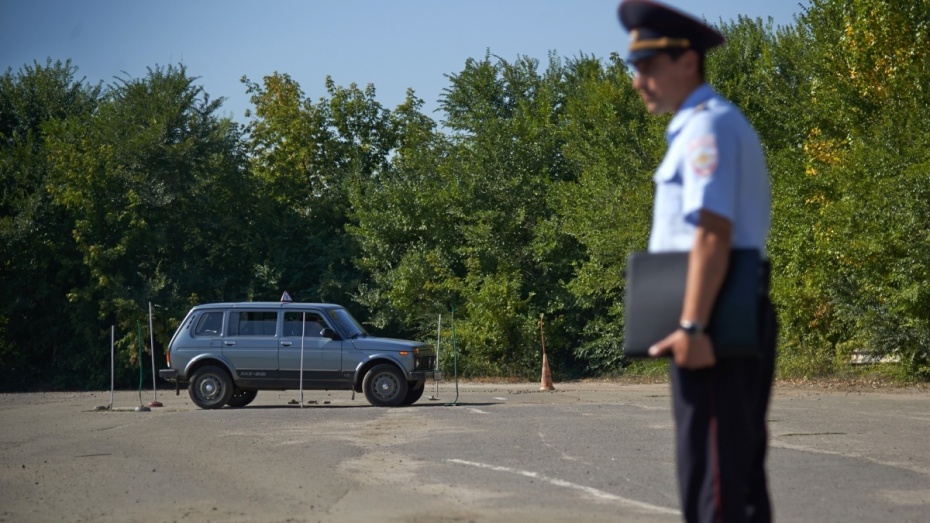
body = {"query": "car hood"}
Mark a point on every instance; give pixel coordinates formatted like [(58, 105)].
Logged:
[(386, 344)]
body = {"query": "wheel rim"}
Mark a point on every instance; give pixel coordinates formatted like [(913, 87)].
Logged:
[(210, 388), (385, 386)]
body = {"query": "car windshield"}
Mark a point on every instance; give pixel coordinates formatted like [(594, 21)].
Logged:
[(349, 325)]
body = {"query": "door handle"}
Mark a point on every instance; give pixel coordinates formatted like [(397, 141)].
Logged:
[(230, 343), (286, 344)]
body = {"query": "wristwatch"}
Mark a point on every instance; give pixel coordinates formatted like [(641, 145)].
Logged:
[(692, 328)]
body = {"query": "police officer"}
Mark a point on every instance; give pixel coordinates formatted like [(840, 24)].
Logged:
[(712, 195)]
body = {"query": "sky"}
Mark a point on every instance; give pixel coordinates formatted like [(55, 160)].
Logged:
[(392, 44)]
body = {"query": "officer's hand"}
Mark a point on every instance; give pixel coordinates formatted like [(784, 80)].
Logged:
[(688, 353)]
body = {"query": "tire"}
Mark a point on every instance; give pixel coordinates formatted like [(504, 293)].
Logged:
[(241, 398), (385, 386), (210, 388), (414, 392)]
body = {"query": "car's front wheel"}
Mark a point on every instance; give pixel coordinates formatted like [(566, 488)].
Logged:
[(210, 387), (384, 386), (241, 398), (414, 392)]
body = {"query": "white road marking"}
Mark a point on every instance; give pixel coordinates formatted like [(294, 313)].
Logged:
[(567, 484), (500, 398), (477, 411), (648, 407)]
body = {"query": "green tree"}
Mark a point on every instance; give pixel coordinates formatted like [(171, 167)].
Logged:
[(161, 203), (768, 73), (39, 261), (868, 147), (615, 146), (463, 219), (404, 230), (308, 157)]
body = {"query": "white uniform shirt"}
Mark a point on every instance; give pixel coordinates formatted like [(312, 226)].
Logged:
[(714, 162)]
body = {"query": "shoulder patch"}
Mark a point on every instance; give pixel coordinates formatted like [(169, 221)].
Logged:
[(702, 155)]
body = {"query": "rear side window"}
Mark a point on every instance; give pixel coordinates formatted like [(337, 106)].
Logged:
[(252, 323), (209, 324)]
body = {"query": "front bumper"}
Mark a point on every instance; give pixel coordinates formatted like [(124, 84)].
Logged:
[(418, 375)]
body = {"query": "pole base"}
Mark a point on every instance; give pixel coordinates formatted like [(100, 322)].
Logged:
[(154, 404), (143, 408)]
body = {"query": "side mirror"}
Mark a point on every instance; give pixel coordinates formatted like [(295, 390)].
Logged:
[(329, 333)]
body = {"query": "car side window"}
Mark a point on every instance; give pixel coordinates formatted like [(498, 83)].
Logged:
[(209, 324), (252, 323), (292, 327), (349, 325)]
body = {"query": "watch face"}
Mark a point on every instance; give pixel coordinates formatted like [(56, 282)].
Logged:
[(691, 328)]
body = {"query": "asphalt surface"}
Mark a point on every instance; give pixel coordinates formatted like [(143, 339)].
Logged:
[(489, 452)]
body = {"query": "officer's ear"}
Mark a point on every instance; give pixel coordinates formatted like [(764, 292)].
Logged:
[(692, 62)]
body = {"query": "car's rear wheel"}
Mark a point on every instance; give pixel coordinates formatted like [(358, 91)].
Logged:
[(241, 398), (210, 388), (384, 386), (414, 392)]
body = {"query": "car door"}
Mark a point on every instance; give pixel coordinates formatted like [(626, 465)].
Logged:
[(322, 357), (251, 345)]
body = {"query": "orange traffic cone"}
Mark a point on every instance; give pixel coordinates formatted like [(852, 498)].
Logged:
[(546, 382)]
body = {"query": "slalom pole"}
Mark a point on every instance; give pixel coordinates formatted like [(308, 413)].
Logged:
[(112, 364), (139, 359), (141, 407), (438, 341), (303, 335), (455, 362), (155, 402)]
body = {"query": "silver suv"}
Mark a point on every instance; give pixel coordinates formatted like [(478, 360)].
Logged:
[(224, 353)]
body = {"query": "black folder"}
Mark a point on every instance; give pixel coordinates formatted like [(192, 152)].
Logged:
[(655, 290)]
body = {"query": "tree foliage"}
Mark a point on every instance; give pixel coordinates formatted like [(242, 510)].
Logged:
[(521, 202), (305, 157), (462, 221), (614, 145), (39, 260), (867, 148), (142, 181)]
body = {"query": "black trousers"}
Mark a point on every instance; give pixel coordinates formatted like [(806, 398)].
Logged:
[(721, 436)]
